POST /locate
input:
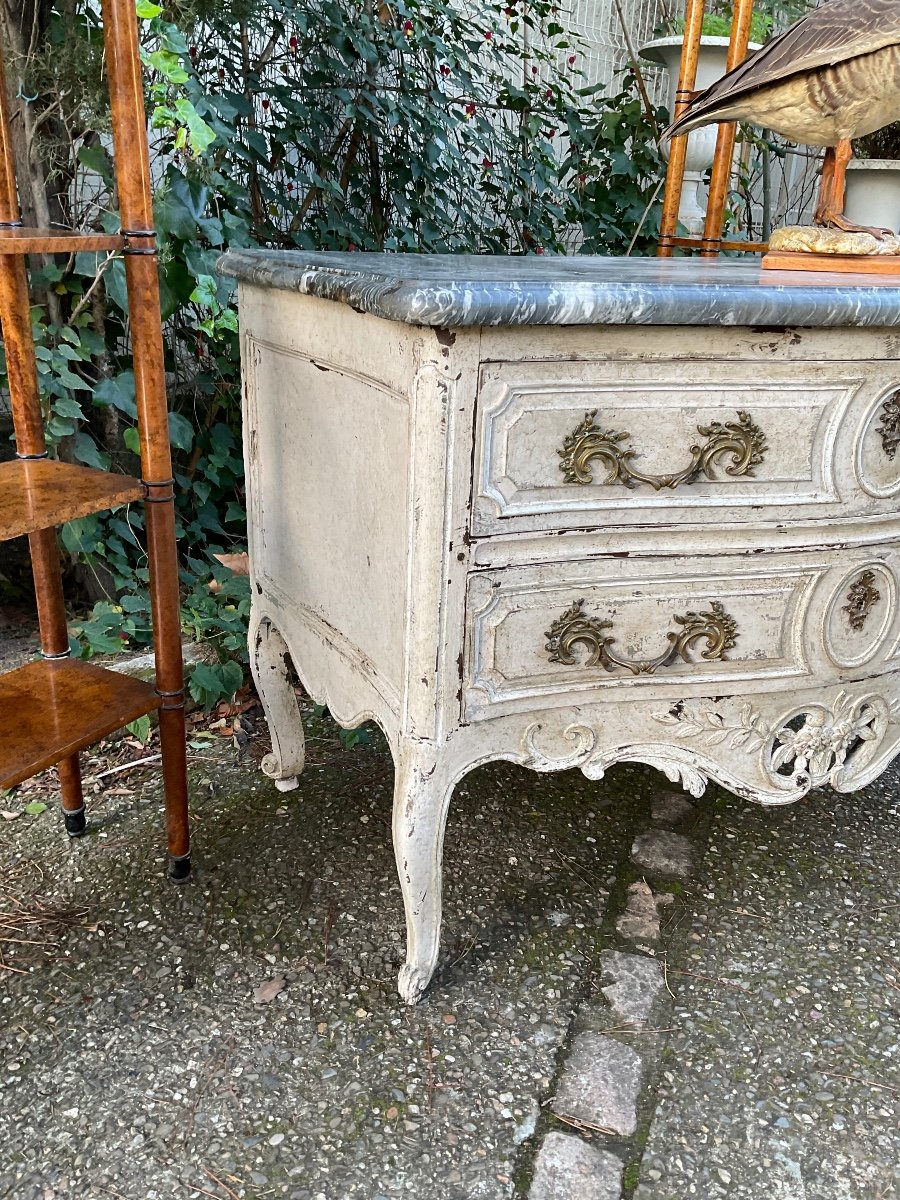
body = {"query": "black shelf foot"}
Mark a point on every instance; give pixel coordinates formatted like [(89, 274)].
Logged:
[(180, 868), (76, 821)]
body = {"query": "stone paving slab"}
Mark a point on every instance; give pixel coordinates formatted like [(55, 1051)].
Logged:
[(637, 984), (600, 1084), (570, 1169), (664, 853)]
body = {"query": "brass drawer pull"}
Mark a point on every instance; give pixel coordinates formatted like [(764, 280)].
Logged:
[(861, 599), (741, 439), (716, 628)]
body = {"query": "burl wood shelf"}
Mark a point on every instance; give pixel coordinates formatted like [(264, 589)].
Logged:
[(41, 494), (54, 709), (24, 240)]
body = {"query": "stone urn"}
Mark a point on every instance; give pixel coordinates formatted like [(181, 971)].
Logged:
[(666, 52), (873, 192)]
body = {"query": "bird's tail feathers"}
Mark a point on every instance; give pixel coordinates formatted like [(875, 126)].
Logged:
[(686, 123)]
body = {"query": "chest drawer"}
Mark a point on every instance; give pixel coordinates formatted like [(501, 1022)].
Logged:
[(580, 445), (613, 629)]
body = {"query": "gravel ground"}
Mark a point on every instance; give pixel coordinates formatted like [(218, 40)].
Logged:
[(241, 1037), (782, 1080), (141, 1060)]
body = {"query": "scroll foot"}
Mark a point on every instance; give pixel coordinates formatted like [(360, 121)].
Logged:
[(269, 664), (422, 792), (411, 983)]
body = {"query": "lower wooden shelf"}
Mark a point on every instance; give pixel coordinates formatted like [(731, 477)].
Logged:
[(41, 493), (51, 709)]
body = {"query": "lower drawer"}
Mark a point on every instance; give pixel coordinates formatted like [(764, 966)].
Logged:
[(551, 635)]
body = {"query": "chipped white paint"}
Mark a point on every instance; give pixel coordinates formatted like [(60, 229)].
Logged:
[(412, 541)]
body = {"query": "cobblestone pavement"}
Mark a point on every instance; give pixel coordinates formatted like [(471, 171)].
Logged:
[(241, 1036)]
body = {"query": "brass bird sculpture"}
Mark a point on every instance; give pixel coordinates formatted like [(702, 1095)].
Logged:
[(833, 76)]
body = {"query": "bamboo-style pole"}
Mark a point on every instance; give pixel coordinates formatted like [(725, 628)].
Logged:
[(22, 377), (687, 81), (724, 156), (141, 266)]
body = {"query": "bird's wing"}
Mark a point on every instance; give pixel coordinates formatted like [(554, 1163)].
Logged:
[(838, 31)]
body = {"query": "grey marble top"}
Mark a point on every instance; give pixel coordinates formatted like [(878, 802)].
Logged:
[(455, 290)]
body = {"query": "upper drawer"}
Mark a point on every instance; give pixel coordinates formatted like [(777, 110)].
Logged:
[(583, 444)]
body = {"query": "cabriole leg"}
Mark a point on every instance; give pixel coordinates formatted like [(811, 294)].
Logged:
[(269, 660), (422, 793)]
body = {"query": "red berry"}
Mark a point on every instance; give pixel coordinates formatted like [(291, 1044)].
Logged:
[(351, 245), (265, 102), (221, 72), (292, 42), (571, 60), (551, 133), (539, 249), (487, 35), (445, 70), (470, 109), (487, 164), (534, 69), (193, 52), (290, 187), (549, 93), (510, 12), (408, 28)]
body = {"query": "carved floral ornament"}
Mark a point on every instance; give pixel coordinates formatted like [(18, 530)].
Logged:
[(716, 628), (807, 748), (742, 440)]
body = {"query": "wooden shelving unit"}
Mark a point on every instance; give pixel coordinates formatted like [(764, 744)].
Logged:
[(53, 708)]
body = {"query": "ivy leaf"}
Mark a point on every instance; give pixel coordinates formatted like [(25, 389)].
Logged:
[(67, 407), (181, 431), (116, 290), (173, 216), (119, 392), (147, 10), (205, 291), (200, 134), (210, 683), (86, 452), (96, 159), (140, 729)]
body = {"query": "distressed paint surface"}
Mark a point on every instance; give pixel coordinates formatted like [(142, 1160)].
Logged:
[(412, 538)]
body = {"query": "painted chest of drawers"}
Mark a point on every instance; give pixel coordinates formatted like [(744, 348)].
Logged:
[(572, 512)]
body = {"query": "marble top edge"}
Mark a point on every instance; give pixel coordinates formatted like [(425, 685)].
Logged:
[(471, 290)]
